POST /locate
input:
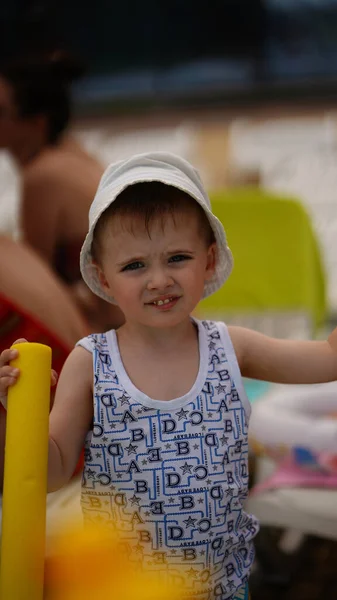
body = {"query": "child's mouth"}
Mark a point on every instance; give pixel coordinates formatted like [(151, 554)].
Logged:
[(165, 303)]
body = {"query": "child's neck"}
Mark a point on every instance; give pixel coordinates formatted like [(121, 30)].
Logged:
[(155, 338), (161, 363)]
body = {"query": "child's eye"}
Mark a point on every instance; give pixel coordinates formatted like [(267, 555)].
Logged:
[(134, 266), (179, 258)]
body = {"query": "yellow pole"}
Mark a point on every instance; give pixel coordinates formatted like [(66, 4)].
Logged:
[(25, 476)]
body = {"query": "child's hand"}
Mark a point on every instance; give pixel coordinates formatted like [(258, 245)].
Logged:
[(9, 375)]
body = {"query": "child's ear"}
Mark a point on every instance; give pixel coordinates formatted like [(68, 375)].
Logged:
[(101, 277), (211, 261)]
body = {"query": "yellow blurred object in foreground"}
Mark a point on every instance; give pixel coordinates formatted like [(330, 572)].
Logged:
[(88, 563), (25, 477)]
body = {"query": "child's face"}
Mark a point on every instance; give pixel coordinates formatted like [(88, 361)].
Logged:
[(156, 278)]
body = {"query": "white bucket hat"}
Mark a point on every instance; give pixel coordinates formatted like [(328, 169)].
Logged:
[(171, 170)]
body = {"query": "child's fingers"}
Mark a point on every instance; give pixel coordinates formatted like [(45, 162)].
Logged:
[(53, 377), (6, 382), (7, 355), (8, 374), (8, 371), (8, 377), (21, 341)]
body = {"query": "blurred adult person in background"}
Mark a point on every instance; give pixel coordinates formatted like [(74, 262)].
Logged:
[(58, 177), (35, 304)]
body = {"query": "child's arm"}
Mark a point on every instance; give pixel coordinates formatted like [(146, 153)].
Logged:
[(70, 418), (285, 361)]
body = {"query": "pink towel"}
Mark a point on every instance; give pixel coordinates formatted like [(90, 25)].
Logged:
[(289, 474)]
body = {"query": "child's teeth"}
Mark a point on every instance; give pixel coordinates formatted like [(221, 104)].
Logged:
[(161, 302)]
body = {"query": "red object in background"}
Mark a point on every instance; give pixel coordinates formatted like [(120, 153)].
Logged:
[(15, 323)]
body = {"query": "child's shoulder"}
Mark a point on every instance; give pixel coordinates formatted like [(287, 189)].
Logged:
[(232, 337), (212, 328), (94, 341), (208, 324)]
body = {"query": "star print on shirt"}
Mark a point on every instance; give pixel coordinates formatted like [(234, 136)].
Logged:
[(131, 449), (220, 388), (135, 500), (224, 440), (230, 584), (190, 522), (124, 399), (186, 468), (192, 573), (182, 414)]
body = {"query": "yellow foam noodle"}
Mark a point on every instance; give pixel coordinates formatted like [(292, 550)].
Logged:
[(25, 476)]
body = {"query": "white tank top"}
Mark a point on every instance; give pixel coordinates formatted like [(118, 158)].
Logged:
[(171, 476)]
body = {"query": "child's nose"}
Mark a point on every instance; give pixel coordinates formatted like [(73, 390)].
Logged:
[(159, 279)]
